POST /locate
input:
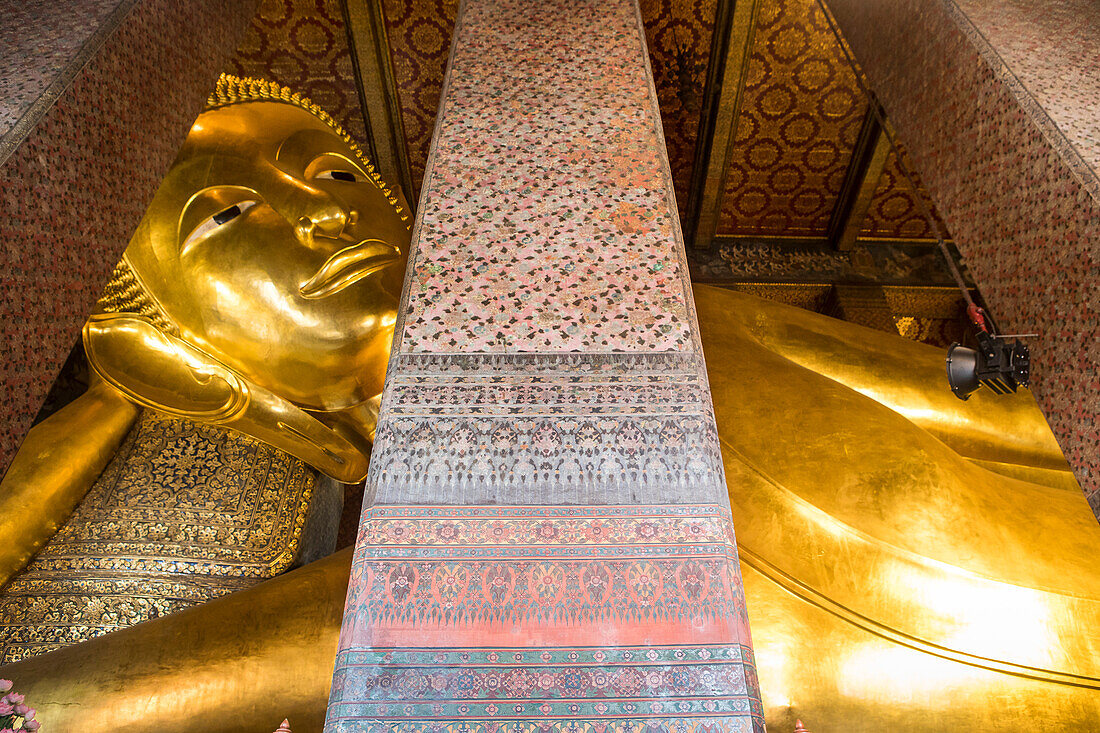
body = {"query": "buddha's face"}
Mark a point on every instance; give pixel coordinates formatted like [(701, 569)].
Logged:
[(271, 249)]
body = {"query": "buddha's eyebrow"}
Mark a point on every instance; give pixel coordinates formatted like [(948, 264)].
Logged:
[(283, 153), (280, 152)]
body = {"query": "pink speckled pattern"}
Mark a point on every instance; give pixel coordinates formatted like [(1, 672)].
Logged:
[(74, 190), (40, 44), (1004, 165), (547, 544), (550, 220), (1053, 48)]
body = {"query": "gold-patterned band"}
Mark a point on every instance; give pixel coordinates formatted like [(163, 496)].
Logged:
[(183, 514)]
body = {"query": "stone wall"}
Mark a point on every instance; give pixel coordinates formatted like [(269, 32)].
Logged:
[(999, 105)]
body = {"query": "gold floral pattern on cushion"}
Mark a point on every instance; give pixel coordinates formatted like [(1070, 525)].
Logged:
[(184, 513)]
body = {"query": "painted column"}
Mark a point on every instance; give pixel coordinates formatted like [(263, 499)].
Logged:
[(547, 542)]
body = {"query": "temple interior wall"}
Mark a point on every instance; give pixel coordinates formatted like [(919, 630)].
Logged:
[(99, 121), (997, 103)]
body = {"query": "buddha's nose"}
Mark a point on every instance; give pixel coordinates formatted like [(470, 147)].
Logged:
[(309, 229)]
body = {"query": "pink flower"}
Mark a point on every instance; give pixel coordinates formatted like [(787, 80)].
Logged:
[(30, 713), (5, 685), (5, 708), (6, 730), (31, 725), (21, 709), (13, 697)]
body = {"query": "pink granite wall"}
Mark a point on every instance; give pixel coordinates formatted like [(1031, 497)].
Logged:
[(1004, 137), (76, 186)]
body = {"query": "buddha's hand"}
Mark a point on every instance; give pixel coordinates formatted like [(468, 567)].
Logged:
[(163, 372)]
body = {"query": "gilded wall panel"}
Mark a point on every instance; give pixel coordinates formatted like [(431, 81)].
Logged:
[(799, 120), (184, 513)]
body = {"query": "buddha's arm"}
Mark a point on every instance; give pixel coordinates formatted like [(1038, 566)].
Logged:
[(162, 372), (58, 462)]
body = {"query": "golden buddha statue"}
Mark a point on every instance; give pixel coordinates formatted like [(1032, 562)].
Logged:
[(911, 562), (252, 314), (241, 274)]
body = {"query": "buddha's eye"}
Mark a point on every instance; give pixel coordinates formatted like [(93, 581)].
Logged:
[(221, 218), (228, 215), (332, 166), (338, 176)]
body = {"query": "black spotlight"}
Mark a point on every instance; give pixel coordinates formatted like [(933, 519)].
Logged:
[(996, 363)]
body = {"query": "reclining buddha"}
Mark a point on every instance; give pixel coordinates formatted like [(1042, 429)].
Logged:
[(911, 561), (251, 316)]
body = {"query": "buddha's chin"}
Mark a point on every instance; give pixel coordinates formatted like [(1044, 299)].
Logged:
[(316, 375)]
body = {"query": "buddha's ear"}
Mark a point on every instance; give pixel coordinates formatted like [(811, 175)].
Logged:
[(165, 373), (161, 371)]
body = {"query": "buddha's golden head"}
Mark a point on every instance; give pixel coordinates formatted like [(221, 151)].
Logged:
[(272, 251)]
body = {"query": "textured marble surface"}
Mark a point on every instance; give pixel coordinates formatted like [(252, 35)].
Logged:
[(571, 428), (678, 35), (539, 253), (42, 46), (543, 618), (990, 130), (76, 187), (547, 542)]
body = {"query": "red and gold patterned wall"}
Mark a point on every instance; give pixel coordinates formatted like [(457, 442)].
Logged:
[(420, 40), (897, 211), (800, 117), (679, 35), (795, 136), (303, 44)]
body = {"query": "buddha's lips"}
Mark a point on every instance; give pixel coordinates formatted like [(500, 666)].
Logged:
[(348, 266)]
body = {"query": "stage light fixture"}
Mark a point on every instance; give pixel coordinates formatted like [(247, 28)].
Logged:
[(998, 364)]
